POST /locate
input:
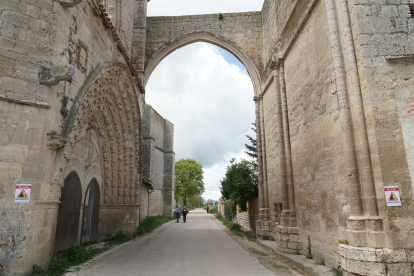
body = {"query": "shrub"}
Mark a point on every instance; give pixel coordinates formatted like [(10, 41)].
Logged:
[(76, 255), (321, 262), (214, 209), (337, 271), (58, 265), (229, 209), (309, 254), (266, 237), (236, 227)]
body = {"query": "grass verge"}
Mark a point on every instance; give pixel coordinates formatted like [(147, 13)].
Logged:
[(234, 227), (255, 251), (77, 254), (213, 210)]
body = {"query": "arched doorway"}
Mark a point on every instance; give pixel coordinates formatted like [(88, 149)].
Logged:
[(90, 218), (68, 215)]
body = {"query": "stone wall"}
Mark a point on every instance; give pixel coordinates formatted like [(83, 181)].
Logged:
[(159, 160), (241, 29), (346, 68), (47, 53), (247, 219), (239, 33), (385, 47), (315, 135)]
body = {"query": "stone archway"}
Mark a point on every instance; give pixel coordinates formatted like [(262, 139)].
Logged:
[(207, 37), (108, 103), (240, 34), (105, 119)]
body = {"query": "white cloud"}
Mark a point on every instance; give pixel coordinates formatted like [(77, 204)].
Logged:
[(187, 7), (210, 103)]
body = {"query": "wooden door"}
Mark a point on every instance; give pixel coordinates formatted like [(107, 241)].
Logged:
[(68, 214), (90, 218)]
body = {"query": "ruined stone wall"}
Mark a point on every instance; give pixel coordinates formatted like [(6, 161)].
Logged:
[(314, 44), (35, 36), (386, 30), (315, 134), (159, 160), (243, 30), (269, 29)]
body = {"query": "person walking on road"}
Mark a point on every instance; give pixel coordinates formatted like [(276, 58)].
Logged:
[(184, 211), (208, 208), (177, 214)]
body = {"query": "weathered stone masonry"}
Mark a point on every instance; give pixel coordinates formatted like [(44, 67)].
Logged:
[(333, 82), (159, 161), (71, 113)]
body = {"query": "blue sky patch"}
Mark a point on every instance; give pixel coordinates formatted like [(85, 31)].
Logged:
[(230, 58)]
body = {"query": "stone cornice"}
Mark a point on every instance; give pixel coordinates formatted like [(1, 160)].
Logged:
[(164, 151), (30, 100)]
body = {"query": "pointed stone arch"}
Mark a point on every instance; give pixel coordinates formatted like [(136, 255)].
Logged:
[(109, 104), (203, 36)]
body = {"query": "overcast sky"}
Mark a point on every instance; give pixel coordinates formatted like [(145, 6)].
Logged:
[(206, 93), (187, 7)]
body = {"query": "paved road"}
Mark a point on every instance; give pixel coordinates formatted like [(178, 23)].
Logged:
[(197, 247)]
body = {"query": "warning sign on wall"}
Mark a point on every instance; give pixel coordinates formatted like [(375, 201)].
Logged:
[(392, 195), (22, 194)]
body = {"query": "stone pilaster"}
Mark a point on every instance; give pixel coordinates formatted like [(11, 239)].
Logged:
[(169, 168), (265, 184), (288, 235), (262, 200), (364, 226), (139, 37)]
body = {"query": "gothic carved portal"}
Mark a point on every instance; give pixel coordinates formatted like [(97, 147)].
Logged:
[(108, 119)]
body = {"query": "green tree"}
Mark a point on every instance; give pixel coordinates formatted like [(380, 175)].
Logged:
[(211, 202), (189, 180), (252, 148), (195, 201), (240, 182)]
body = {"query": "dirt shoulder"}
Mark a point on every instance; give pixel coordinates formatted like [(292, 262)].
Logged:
[(269, 259)]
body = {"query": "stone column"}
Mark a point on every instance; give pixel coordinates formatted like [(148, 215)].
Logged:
[(288, 152), (259, 160), (264, 162), (280, 136), (364, 227), (345, 111), (287, 233)]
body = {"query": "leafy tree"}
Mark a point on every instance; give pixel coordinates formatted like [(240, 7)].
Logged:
[(195, 201), (211, 202), (188, 179), (240, 182), (252, 148)]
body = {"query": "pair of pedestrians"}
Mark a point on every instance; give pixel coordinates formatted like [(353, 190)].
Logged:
[(183, 211)]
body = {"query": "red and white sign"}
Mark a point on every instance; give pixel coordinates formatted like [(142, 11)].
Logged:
[(22, 194), (392, 195)]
